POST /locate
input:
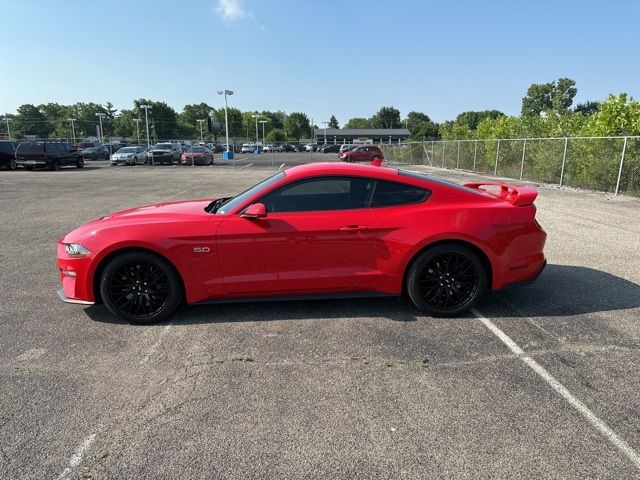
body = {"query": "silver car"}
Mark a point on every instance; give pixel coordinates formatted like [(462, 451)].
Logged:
[(129, 156)]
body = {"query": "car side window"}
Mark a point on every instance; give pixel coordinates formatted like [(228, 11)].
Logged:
[(387, 194), (316, 194)]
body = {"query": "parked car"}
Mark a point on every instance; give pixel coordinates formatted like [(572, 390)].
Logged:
[(331, 149), (83, 145), (162, 153), (311, 147), (370, 231), (197, 155), (247, 148), (51, 155), (8, 154), (94, 153), (269, 148), (363, 153), (346, 147), (288, 148), (219, 148), (129, 156)]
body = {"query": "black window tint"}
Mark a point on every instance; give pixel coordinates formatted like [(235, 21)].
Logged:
[(326, 193), (30, 148), (389, 193), (6, 147)]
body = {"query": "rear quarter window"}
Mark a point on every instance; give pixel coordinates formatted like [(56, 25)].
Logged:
[(387, 194)]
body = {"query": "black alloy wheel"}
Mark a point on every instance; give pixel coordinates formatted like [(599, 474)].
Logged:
[(140, 287), (447, 280), (12, 164)]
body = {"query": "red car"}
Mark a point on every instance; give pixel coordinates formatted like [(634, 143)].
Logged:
[(197, 155), (317, 230), (364, 153)]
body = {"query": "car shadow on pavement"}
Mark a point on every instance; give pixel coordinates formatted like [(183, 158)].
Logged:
[(564, 290), (391, 308)]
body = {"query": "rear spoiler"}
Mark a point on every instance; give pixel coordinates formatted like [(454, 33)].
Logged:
[(518, 196)]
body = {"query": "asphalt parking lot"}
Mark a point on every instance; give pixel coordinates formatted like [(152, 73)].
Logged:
[(317, 389)]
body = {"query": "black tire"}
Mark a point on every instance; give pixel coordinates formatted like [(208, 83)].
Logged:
[(55, 165), (79, 163), (140, 287), (135, 160), (446, 280), (12, 164)]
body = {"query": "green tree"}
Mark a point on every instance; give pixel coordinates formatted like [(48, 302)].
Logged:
[(163, 119), (275, 135), (549, 97), (358, 122), (31, 121), (618, 115), (472, 118), (297, 125), (386, 117), (415, 120), (333, 122), (427, 131), (587, 108)]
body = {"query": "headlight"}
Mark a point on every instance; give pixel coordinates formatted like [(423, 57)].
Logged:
[(76, 250)]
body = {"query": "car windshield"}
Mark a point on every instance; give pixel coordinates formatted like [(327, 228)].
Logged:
[(196, 149), (162, 146), (127, 150), (91, 149), (240, 199)]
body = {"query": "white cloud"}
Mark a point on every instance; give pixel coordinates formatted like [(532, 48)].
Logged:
[(231, 10)]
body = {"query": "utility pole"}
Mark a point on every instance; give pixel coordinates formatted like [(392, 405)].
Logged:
[(226, 92), (263, 122), (137, 122), (7, 120), (256, 116), (201, 135), (325, 132), (146, 121), (73, 128), (100, 115)]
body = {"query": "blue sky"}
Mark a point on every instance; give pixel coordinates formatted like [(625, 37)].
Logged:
[(345, 58)]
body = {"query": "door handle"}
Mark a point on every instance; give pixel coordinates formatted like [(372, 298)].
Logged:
[(353, 228)]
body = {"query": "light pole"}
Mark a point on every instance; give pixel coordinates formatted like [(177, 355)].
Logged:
[(137, 122), (227, 155), (256, 116), (7, 120), (325, 132), (201, 122), (73, 128), (146, 121), (263, 122), (100, 115)]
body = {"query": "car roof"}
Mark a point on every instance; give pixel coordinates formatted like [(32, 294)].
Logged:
[(340, 168)]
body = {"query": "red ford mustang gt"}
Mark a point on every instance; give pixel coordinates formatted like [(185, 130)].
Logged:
[(319, 230)]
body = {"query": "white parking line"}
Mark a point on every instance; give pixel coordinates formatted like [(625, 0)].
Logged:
[(76, 458), (155, 346), (183, 191), (618, 442), (245, 166)]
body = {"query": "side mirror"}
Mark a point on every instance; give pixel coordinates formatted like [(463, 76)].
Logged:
[(257, 210)]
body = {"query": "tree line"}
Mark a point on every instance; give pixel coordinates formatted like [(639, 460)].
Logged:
[(547, 110)]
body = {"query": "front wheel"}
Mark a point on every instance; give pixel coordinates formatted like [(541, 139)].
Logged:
[(446, 280), (55, 165), (140, 287), (80, 163), (12, 164)]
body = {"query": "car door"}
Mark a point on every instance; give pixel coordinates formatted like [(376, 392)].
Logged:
[(318, 236)]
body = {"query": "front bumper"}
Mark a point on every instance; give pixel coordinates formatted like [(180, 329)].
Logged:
[(64, 298)]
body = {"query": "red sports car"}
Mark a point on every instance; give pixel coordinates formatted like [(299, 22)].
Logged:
[(318, 230)]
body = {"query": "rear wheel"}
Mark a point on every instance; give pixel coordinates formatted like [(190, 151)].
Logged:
[(80, 163), (140, 287), (446, 280), (55, 165), (12, 164)]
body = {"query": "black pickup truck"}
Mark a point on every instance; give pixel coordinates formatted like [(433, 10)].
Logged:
[(51, 155)]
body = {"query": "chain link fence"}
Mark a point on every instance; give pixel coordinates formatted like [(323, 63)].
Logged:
[(607, 164)]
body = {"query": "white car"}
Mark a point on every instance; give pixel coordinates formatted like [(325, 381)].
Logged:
[(247, 148), (345, 147), (129, 156)]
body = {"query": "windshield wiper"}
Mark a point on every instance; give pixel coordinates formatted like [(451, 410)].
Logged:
[(216, 204)]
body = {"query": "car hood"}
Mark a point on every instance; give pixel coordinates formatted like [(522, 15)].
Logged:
[(162, 212)]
